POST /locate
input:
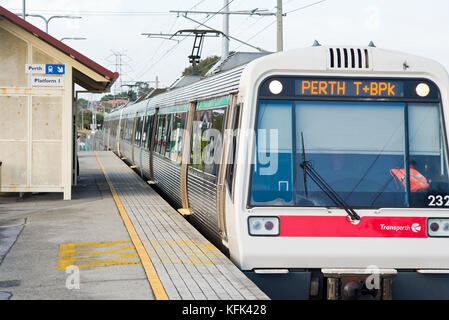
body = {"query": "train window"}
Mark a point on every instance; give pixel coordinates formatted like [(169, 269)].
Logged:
[(123, 129), (176, 136), (428, 156), (207, 133), (167, 144), (130, 129), (351, 151), (140, 127), (149, 130), (272, 178), (161, 133), (137, 134), (144, 131), (373, 154)]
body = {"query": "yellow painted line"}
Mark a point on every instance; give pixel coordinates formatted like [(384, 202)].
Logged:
[(150, 271)]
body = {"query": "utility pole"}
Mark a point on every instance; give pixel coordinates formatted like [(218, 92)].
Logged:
[(24, 13), (280, 36), (225, 38)]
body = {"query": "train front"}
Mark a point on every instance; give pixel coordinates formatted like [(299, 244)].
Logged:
[(342, 192)]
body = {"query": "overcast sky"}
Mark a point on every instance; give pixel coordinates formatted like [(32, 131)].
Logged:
[(414, 26)]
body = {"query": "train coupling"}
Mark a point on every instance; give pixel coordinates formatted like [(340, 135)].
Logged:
[(371, 283)]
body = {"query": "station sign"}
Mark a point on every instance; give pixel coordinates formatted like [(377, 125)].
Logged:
[(45, 68), (43, 81)]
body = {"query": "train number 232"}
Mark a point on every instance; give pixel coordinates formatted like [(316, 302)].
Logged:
[(438, 201)]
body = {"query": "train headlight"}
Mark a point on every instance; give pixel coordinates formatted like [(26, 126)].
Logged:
[(422, 90), (275, 87), (263, 226), (438, 227)]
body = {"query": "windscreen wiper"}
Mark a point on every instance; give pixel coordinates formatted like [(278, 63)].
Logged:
[(327, 189)]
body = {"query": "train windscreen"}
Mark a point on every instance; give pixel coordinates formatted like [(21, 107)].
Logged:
[(373, 154)]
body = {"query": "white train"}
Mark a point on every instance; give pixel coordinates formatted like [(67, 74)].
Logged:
[(323, 170)]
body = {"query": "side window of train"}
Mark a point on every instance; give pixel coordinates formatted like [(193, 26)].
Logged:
[(176, 136), (123, 128), (139, 131), (231, 165), (143, 132), (123, 132), (137, 134), (130, 128), (207, 141), (167, 144), (160, 134), (149, 130)]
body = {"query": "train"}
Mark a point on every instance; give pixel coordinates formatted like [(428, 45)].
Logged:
[(322, 171)]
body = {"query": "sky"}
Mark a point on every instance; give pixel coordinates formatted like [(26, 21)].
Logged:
[(115, 27)]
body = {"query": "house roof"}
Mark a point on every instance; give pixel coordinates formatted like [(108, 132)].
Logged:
[(79, 77)]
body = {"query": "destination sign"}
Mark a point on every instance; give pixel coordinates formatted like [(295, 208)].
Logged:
[(349, 88)]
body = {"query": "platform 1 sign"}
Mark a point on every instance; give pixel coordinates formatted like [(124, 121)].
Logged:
[(42, 81), (45, 68)]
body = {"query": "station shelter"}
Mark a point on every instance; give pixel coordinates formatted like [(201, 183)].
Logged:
[(38, 134)]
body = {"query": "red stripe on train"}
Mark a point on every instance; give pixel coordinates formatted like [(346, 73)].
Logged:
[(369, 227)]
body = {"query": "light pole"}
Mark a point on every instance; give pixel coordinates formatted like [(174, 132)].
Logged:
[(47, 21), (280, 35)]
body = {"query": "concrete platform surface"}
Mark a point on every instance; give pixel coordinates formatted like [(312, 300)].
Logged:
[(117, 239), (86, 232)]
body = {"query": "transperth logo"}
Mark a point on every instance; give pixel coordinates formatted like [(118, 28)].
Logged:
[(416, 227)]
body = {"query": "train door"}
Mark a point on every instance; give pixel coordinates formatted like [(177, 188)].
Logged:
[(133, 139), (119, 132), (144, 137), (185, 160), (124, 136), (152, 144), (227, 159)]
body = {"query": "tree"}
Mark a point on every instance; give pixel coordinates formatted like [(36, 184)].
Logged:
[(121, 95), (143, 88), (82, 103), (203, 66), (84, 116)]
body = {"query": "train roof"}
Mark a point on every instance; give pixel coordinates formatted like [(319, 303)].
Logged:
[(317, 59)]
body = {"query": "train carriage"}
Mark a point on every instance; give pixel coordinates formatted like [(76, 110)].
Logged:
[(323, 171)]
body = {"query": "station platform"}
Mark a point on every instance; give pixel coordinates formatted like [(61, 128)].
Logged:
[(127, 242)]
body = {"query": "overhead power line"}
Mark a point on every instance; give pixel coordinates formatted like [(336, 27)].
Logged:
[(303, 7)]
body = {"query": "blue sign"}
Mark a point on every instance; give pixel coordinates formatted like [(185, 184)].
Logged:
[(54, 69)]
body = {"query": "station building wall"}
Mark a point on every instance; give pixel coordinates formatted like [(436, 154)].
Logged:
[(35, 122)]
